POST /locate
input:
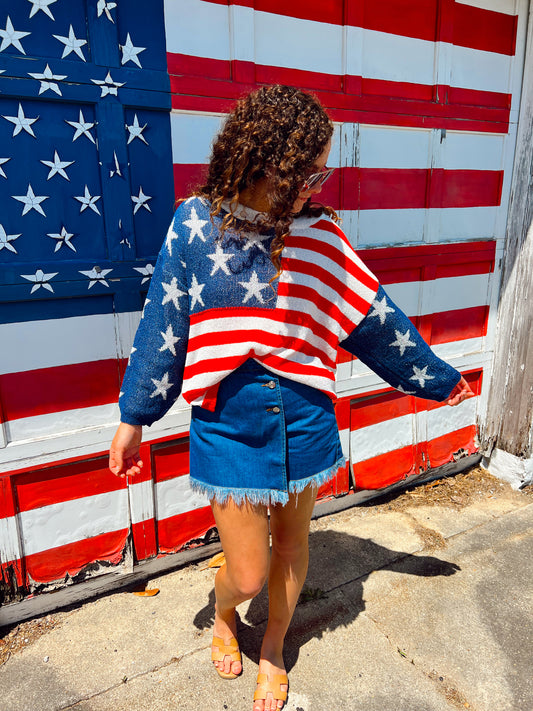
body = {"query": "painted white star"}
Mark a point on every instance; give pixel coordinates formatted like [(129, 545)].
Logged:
[(104, 6), (141, 200), (21, 122), (10, 36), (97, 276), (405, 392), (62, 238), (71, 44), (2, 161), (146, 302), (129, 52), (254, 287), (40, 279), (219, 261), (6, 239), (117, 169), (88, 201), (402, 341), (381, 309), (31, 201), (43, 6), (57, 166), (195, 291), (108, 86), (82, 128), (146, 271), (195, 225), (421, 375), (161, 386), (136, 131), (48, 80), (172, 293), (169, 339)]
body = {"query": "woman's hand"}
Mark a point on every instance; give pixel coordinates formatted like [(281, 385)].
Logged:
[(460, 392), (124, 451)]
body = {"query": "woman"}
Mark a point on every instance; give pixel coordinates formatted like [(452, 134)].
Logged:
[(253, 292)]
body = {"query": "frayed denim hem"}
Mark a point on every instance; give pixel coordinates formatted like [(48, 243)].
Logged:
[(267, 497)]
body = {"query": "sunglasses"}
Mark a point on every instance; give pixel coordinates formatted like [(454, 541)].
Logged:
[(316, 179)]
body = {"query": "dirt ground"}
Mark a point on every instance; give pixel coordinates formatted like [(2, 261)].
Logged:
[(457, 491)]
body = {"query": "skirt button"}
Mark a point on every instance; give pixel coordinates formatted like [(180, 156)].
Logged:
[(276, 409), (271, 384)]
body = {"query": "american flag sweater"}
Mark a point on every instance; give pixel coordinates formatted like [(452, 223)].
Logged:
[(211, 306)]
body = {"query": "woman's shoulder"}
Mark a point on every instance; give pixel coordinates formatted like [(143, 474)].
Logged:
[(192, 206)]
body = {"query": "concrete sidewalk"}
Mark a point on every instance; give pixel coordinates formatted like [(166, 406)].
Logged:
[(419, 607)]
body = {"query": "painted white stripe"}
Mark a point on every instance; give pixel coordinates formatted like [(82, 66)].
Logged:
[(508, 7), (9, 540), (175, 496), (72, 521), (54, 342), (141, 496), (382, 437), (57, 424), (443, 420), (320, 46), (344, 436), (446, 294), (192, 136)]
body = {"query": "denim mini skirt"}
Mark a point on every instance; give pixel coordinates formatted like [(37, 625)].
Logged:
[(268, 436)]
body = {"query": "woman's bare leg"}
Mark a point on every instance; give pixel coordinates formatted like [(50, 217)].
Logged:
[(244, 535), (289, 526)]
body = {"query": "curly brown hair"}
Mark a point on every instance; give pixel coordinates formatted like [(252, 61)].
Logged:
[(276, 132)]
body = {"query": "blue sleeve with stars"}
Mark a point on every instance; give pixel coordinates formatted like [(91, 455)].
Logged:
[(154, 376), (388, 343)]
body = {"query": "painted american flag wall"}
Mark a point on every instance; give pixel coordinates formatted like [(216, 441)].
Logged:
[(424, 95)]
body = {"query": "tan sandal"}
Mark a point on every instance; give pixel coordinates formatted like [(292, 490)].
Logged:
[(273, 686), (226, 650)]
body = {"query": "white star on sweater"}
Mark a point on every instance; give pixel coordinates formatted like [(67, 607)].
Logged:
[(169, 339), (133, 349), (5, 240), (141, 200), (136, 131), (195, 225), (10, 36), (421, 375), (40, 279), (21, 122), (219, 261), (146, 271), (71, 44), (405, 392), (402, 341), (256, 241), (254, 287), (173, 293), (63, 237), (146, 302), (2, 161), (108, 86), (381, 309), (31, 201), (48, 80), (104, 6), (195, 291), (57, 166), (82, 128), (88, 201), (43, 6), (129, 52), (161, 386), (97, 276), (171, 235)]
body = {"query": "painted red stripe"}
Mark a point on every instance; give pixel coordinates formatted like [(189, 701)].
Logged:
[(172, 460), (421, 19), (54, 484), (174, 532), (385, 469), (200, 84), (390, 188), (371, 409), (449, 447), (449, 326), (37, 392), (300, 345), (56, 563)]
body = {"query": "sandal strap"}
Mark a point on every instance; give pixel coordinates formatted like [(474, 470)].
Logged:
[(273, 686), (225, 650)]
